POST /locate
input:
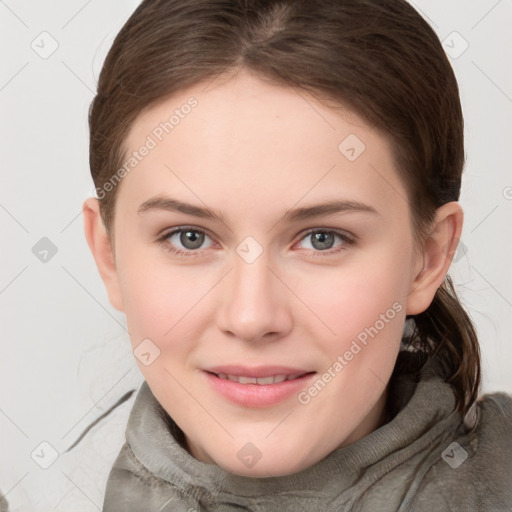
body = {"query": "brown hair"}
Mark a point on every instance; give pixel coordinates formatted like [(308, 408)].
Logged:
[(376, 57)]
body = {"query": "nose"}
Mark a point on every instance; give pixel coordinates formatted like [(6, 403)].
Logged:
[(256, 304)]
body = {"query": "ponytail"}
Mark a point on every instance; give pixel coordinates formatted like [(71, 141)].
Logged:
[(446, 331)]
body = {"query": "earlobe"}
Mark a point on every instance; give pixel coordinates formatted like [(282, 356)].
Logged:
[(100, 246), (437, 255)]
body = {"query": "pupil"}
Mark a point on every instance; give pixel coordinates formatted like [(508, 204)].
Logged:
[(191, 239), (323, 240)]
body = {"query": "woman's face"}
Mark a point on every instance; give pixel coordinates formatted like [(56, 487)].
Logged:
[(294, 261)]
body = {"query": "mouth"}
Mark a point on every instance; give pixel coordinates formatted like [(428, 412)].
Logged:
[(257, 387), (261, 381)]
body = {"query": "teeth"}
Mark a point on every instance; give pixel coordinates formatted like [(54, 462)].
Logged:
[(266, 380), (262, 381), (247, 380)]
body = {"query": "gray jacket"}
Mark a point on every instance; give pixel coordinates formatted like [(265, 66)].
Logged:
[(425, 459)]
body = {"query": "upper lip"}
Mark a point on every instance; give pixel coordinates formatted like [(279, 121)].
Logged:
[(256, 371)]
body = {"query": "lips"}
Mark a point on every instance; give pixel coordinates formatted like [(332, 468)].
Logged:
[(257, 386)]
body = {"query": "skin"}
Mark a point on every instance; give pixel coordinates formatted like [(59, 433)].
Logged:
[(253, 150)]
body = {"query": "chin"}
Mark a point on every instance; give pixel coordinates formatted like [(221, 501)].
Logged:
[(257, 460)]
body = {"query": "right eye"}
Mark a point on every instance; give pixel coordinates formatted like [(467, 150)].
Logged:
[(185, 240)]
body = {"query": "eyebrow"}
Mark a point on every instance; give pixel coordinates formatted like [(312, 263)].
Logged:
[(293, 215)]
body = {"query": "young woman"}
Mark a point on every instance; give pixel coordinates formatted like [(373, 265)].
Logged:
[(276, 214)]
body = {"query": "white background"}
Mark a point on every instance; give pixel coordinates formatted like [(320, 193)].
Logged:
[(65, 355)]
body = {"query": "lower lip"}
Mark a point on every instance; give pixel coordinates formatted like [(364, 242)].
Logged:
[(256, 395)]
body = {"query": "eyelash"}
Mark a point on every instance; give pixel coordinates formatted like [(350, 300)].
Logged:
[(346, 239)]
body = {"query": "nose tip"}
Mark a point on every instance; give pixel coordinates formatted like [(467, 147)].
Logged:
[(254, 305)]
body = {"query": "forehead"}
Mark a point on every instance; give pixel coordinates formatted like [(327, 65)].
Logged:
[(246, 138)]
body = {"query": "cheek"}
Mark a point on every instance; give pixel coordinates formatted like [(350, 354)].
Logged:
[(157, 297), (352, 297)]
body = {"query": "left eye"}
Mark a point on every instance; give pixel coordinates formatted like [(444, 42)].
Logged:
[(322, 240)]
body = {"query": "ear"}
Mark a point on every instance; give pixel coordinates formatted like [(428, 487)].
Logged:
[(99, 243), (434, 261)]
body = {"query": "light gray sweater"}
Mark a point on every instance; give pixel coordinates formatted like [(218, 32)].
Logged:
[(426, 458)]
